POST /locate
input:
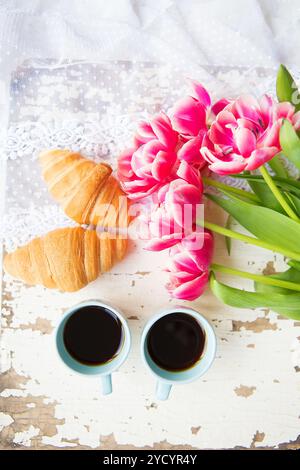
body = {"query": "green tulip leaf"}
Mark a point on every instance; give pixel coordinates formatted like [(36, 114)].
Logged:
[(266, 196), (286, 304), (277, 166), (291, 275), (286, 87), (228, 239), (266, 224), (236, 197), (295, 201), (290, 143), (262, 190), (286, 184), (294, 264)]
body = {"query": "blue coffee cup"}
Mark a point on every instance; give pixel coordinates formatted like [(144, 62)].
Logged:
[(165, 378), (104, 371)]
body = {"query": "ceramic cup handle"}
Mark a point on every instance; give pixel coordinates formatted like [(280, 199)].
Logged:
[(163, 390), (106, 384)]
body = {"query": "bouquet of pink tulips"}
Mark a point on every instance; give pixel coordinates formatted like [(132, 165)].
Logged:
[(169, 166)]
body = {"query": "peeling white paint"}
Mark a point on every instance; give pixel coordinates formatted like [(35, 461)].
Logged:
[(5, 420), (24, 438)]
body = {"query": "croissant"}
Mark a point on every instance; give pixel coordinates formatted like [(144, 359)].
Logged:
[(66, 258), (87, 191)]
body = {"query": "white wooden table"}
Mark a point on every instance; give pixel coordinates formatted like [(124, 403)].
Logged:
[(248, 399)]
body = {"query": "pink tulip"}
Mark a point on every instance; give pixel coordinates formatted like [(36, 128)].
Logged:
[(190, 151), (219, 106), (175, 213), (189, 265), (152, 162), (245, 134), (160, 230), (158, 128), (144, 170), (190, 117)]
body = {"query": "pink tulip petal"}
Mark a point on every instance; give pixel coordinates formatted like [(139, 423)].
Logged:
[(200, 93), (142, 159), (220, 134), (159, 128), (247, 106), (182, 202), (236, 165), (190, 151), (162, 193), (144, 171), (162, 223), (137, 160), (259, 157), (162, 165), (219, 106), (208, 155), (247, 124), (138, 184), (138, 189), (160, 244), (266, 107), (124, 164), (207, 143), (226, 119), (190, 174), (204, 257), (188, 116), (213, 156), (180, 277), (201, 246), (186, 194), (245, 141), (284, 110), (163, 130), (137, 142), (190, 290), (161, 227), (184, 262), (296, 121), (195, 241), (145, 130), (150, 149), (270, 138)]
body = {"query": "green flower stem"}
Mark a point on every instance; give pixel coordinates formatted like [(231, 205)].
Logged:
[(240, 192), (256, 277), (279, 196), (250, 240), (278, 167)]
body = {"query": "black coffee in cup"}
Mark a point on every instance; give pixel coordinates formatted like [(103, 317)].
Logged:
[(93, 335), (176, 341)]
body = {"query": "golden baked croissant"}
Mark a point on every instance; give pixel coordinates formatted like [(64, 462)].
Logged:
[(66, 258), (87, 191)]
